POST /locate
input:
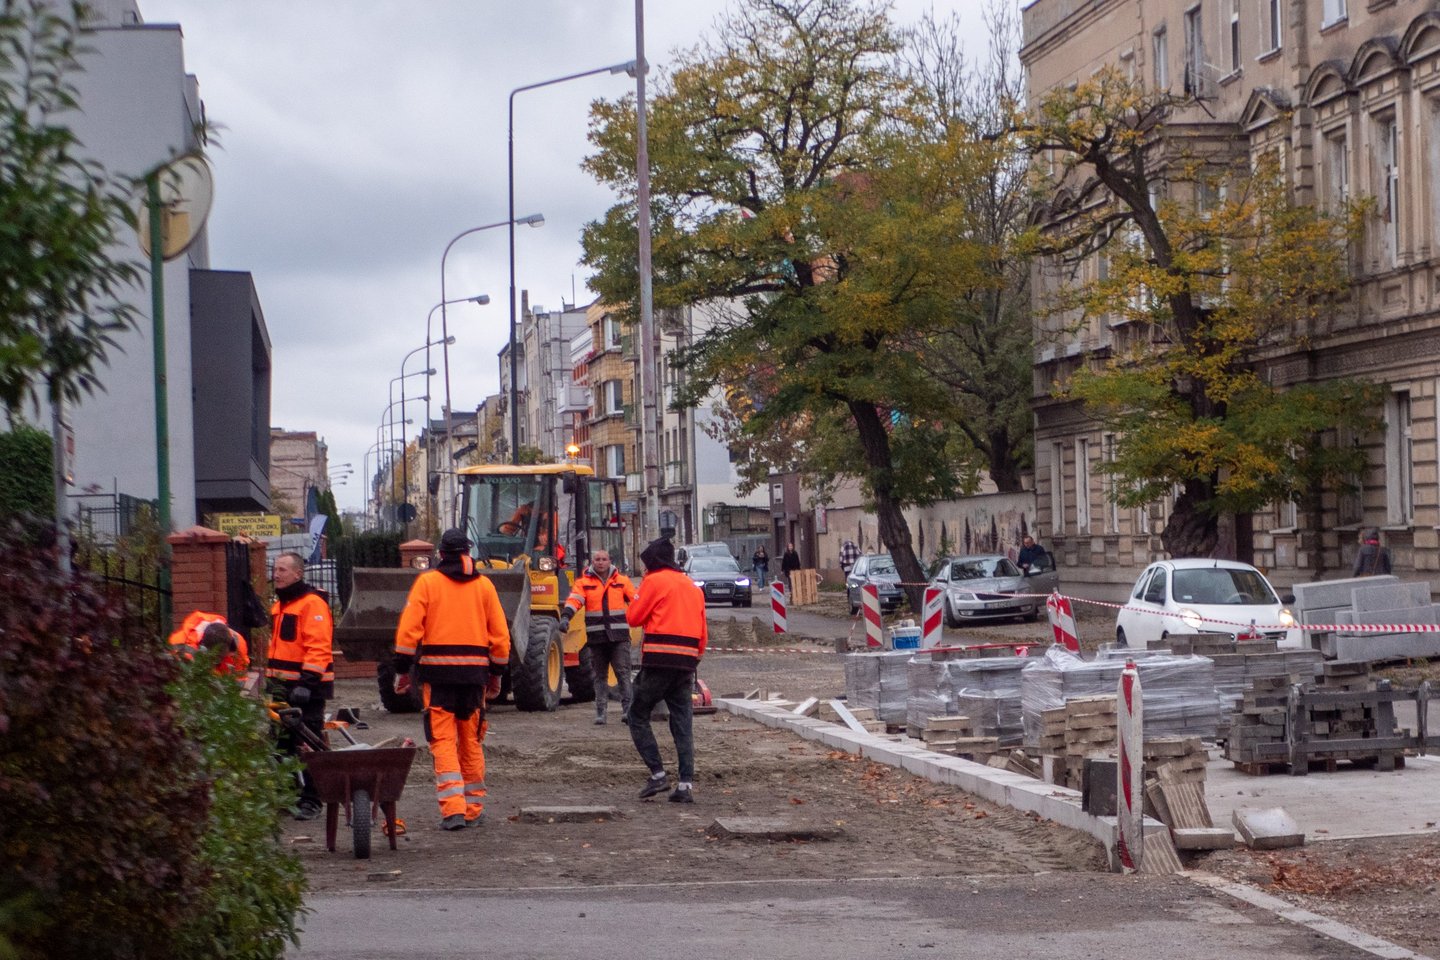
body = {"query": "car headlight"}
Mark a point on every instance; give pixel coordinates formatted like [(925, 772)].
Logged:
[(545, 564), (699, 583), (1287, 617), (1190, 618), (742, 582), (964, 595)]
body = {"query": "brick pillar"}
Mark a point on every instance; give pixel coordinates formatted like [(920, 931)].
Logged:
[(416, 553), (197, 573)]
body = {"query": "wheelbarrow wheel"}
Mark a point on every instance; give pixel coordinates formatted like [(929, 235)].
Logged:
[(360, 823)]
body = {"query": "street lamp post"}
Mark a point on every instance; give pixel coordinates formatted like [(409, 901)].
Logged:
[(373, 482), (514, 408), (534, 220)]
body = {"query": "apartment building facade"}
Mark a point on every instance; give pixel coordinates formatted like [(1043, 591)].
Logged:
[(1345, 95)]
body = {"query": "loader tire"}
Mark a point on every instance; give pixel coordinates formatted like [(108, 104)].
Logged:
[(536, 679), (580, 680), (392, 701)]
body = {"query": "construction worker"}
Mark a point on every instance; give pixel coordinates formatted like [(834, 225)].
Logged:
[(454, 629), (201, 629), (604, 593), (671, 611), (301, 665)]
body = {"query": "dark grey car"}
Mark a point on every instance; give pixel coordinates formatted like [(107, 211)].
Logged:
[(879, 569), (721, 580), (984, 587)]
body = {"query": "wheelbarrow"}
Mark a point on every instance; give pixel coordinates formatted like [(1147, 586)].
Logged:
[(361, 781)]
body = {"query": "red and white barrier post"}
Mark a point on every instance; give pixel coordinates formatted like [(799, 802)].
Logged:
[(1062, 622), (870, 607), (932, 621), (777, 605), (1130, 773)]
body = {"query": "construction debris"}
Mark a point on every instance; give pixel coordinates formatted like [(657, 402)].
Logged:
[(1270, 829)]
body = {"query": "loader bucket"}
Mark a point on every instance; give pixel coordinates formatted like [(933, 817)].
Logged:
[(513, 586)]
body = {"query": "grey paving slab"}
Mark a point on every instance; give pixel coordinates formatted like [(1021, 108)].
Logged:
[(1390, 596)]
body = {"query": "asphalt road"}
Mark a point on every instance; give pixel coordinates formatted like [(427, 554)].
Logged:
[(962, 918)]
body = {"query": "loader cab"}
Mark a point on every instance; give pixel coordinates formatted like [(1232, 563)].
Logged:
[(555, 514)]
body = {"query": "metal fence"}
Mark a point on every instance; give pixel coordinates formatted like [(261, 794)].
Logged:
[(107, 517), (136, 589)]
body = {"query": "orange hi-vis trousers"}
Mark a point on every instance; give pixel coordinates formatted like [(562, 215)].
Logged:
[(459, 758)]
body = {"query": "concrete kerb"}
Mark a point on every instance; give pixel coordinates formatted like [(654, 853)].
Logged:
[(1004, 787)]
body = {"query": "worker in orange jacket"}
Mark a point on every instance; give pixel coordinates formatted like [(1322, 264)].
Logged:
[(604, 593), (671, 611), (453, 631), (201, 629), (300, 668)]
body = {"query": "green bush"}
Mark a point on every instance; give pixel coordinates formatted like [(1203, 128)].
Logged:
[(27, 484), (253, 890), (137, 799)]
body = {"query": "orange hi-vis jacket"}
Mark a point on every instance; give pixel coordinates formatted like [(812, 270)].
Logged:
[(671, 610), (193, 627), (604, 602), (456, 629), (302, 639)]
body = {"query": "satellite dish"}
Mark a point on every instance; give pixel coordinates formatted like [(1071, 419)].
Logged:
[(186, 192)]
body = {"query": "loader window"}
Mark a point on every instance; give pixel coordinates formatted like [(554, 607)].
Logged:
[(607, 532), (502, 513)]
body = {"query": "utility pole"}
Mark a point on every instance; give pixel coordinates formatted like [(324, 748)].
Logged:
[(648, 355)]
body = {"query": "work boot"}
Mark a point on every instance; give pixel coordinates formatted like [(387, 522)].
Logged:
[(599, 719), (654, 785), (307, 811), (456, 821), (682, 794), (475, 821)]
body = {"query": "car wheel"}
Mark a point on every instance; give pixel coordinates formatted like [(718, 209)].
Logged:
[(1032, 616), (952, 619), (1120, 640)]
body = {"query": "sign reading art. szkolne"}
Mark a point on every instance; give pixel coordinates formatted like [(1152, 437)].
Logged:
[(248, 524)]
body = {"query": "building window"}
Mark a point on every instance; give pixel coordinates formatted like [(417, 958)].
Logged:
[(1057, 488), (1161, 48), (1388, 134), (1082, 487), (1234, 35), (1287, 515), (1334, 12), (1337, 171), (1274, 10), (614, 456), (1194, 54), (1399, 459), (611, 331), (614, 391), (1112, 509)]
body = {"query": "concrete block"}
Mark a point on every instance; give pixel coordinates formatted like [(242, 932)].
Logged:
[(569, 814), (770, 829), (1333, 593), (1270, 829), (1098, 787), (1384, 646), (1203, 838), (1390, 596)]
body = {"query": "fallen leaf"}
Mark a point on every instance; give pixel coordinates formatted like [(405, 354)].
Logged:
[(796, 800)]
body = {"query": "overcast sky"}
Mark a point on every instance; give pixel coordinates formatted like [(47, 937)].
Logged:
[(360, 137)]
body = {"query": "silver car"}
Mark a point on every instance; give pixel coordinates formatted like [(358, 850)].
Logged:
[(982, 588), (877, 569)]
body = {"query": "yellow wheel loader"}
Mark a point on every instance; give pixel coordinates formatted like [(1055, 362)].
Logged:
[(532, 527)]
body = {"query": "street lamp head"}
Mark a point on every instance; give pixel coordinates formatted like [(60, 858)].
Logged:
[(627, 68), (429, 373), (481, 299), (534, 220)]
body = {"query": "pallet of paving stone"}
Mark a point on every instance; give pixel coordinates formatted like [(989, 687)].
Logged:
[(877, 680)]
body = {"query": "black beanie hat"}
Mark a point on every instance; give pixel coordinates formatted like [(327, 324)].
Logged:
[(454, 541), (659, 555)]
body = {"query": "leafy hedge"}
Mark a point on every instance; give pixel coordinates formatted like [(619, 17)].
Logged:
[(27, 483), (139, 801)]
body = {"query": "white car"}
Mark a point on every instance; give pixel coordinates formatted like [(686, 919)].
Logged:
[(1203, 596)]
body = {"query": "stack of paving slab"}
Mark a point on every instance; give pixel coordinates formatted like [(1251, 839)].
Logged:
[(1239, 662), (878, 681), (1387, 603), (1178, 692), (1322, 600), (985, 689), (1082, 728)]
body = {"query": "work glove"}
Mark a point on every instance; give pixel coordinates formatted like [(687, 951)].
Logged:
[(299, 695), (311, 680), (492, 688), (402, 683)]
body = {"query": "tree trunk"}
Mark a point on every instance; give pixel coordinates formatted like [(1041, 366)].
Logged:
[(1191, 530), (894, 531), (1003, 469)]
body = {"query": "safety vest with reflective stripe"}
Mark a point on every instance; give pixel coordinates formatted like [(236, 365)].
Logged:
[(604, 602), (193, 629), (455, 629), (671, 610), (301, 640)]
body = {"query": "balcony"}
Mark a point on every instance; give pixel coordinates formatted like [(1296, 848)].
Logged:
[(677, 474), (634, 483), (574, 399)]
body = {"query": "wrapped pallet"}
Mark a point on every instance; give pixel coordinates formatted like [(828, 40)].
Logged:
[(877, 681), (1179, 692), (985, 689)]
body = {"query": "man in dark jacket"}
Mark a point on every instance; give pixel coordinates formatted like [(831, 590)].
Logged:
[(604, 593), (1372, 559), (453, 627), (671, 611), (789, 563), (300, 668)]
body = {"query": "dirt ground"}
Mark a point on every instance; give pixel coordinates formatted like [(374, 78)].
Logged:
[(894, 824)]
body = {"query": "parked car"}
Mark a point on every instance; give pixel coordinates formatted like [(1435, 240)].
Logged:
[(721, 580), (983, 587), (1203, 596), (712, 549), (879, 569)]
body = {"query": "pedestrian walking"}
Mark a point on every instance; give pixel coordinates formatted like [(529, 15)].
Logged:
[(301, 666), (605, 593), (760, 562), (789, 563), (1372, 559), (671, 611), (849, 553), (453, 631)]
